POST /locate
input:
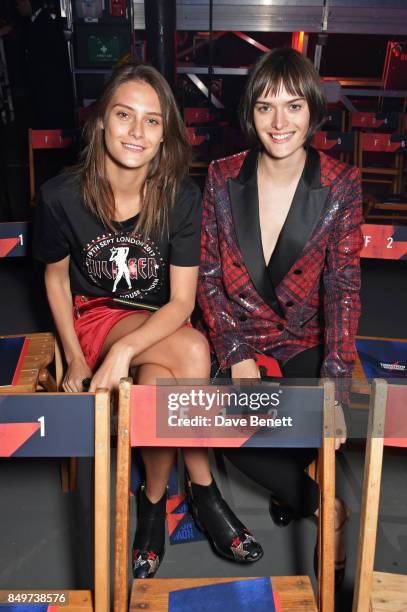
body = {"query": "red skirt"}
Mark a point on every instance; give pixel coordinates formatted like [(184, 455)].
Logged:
[(93, 320)]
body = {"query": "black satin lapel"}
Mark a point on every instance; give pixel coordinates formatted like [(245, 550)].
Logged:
[(302, 218), (245, 210)]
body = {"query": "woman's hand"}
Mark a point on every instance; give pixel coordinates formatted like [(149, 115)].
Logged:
[(245, 369), (60, 300), (340, 426), (115, 366), (78, 369)]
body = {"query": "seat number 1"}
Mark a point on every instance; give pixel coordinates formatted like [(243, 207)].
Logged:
[(41, 421)]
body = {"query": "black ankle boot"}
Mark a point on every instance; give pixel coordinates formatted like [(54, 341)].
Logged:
[(281, 514), (149, 539), (227, 535)]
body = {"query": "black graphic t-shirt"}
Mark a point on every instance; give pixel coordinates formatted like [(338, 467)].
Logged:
[(119, 264)]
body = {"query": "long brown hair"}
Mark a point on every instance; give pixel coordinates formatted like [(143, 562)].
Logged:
[(166, 170), (283, 66)]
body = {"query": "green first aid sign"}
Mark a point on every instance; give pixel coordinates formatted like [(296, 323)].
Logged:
[(106, 49)]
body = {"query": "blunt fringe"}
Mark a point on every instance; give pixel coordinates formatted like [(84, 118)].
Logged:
[(287, 67), (166, 170)]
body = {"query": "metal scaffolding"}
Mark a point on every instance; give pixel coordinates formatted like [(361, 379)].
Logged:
[(330, 16)]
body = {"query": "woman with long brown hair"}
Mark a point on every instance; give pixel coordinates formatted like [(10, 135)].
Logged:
[(125, 224)]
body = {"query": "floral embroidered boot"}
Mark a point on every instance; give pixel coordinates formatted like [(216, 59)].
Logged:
[(149, 539), (227, 535)]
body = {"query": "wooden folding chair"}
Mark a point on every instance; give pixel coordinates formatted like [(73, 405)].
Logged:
[(360, 383), (392, 146), (335, 120), (375, 122), (47, 139), (198, 116), (199, 137), (14, 239), (294, 591), (34, 375), (387, 210), (342, 145), (33, 425), (69, 467), (376, 591)]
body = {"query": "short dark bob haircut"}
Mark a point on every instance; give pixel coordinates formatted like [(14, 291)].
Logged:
[(287, 67)]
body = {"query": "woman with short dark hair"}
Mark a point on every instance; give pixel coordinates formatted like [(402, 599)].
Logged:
[(279, 268), (296, 73)]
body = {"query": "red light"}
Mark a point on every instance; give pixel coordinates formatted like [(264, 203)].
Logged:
[(297, 42)]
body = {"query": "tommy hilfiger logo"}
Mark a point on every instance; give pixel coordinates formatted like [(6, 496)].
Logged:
[(114, 261)]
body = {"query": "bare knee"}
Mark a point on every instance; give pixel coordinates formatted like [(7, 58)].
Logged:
[(149, 374), (193, 357)]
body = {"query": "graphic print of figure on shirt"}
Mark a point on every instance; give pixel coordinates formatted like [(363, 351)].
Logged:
[(119, 256)]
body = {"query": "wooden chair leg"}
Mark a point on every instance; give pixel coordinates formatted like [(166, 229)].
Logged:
[(69, 474), (31, 168), (102, 502), (370, 498), (59, 371), (326, 523), (64, 469), (46, 381), (69, 467), (122, 500), (73, 473)]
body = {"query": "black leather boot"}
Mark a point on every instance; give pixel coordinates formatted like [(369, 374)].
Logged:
[(149, 539), (227, 535), (281, 514)]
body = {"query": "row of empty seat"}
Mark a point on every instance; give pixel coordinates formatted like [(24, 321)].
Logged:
[(380, 156), (337, 120)]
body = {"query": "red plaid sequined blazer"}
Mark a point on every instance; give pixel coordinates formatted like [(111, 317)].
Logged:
[(309, 293)]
